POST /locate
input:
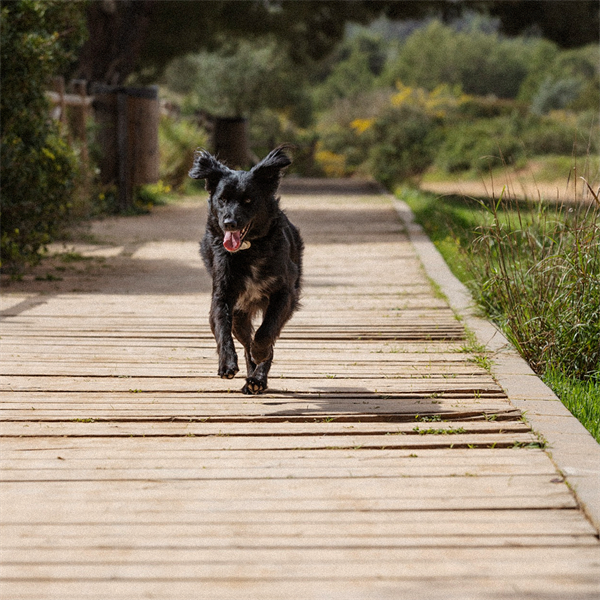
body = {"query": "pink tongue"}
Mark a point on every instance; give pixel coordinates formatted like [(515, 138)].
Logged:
[(232, 241)]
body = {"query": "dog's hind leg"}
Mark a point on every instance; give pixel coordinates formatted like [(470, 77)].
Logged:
[(257, 381), (280, 309)]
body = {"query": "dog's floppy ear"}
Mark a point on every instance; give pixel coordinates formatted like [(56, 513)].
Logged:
[(268, 170), (209, 168)]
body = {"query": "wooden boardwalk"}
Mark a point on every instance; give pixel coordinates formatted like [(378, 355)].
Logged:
[(383, 463)]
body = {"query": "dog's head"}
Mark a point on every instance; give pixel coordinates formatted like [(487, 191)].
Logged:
[(243, 202)]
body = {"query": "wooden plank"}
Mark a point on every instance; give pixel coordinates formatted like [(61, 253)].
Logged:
[(413, 522), (436, 587), (382, 385), (102, 534), (330, 564), (322, 427), (258, 494)]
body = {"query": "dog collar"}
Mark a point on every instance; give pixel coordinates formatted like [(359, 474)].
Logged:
[(245, 245)]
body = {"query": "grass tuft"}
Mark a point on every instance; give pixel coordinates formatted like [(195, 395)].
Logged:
[(534, 267)]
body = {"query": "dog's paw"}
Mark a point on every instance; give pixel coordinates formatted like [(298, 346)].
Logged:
[(254, 386), (228, 371)]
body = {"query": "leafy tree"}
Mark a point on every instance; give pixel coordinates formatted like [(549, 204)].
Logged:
[(143, 36), (37, 168), (354, 69), (237, 84), (481, 63)]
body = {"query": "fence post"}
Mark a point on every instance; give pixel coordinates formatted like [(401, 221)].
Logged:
[(80, 120), (230, 141), (58, 83), (128, 136)]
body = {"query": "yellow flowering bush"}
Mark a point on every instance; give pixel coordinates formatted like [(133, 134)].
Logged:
[(332, 164), (439, 103)]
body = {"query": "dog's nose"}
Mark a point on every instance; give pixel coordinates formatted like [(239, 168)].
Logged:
[(230, 224)]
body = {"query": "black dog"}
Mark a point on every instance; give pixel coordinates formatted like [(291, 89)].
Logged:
[(254, 255)]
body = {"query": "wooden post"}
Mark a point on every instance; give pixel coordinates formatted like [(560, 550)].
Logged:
[(80, 120), (105, 116), (125, 182), (143, 119), (128, 136), (230, 141), (59, 88)]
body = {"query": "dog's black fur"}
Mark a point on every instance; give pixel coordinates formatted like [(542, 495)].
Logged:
[(254, 255)]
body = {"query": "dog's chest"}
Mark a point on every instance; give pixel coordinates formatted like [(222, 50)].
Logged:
[(256, 288)]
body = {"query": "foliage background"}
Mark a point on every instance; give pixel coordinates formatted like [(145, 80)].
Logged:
[(37, 167)]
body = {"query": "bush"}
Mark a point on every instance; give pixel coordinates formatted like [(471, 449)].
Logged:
[(237, 84), (560, 133), (482, 63), (404, 140), (555, 94), (358, 63), (344, 131), (37, 168), (178, 139), (480, 144)]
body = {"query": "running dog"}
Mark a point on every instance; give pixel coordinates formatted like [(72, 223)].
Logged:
[(254, 255)]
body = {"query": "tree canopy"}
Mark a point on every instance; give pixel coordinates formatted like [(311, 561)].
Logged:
[(143, 36)]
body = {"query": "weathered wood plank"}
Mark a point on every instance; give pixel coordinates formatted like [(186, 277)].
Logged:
[(476, 587), (330, 564)]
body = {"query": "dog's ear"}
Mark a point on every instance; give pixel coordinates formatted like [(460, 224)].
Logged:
[(209, 168), (268, 170)]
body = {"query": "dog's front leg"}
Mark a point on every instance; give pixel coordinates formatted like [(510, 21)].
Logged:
[(221, 325)]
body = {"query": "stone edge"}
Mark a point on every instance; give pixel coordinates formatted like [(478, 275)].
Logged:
[(573, 450)]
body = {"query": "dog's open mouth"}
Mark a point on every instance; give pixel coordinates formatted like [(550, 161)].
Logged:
[(234, 240)]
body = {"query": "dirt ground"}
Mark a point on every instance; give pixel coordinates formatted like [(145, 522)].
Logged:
[(520, 185), (157, 253), (145, 254)]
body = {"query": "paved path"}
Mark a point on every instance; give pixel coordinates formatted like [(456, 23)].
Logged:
[(385, 462)]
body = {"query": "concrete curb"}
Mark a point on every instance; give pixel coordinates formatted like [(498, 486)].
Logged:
[(574, 451)]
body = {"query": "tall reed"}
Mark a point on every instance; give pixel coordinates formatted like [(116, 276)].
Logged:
[(537, 275)]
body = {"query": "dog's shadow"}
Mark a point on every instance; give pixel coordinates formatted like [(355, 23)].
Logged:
[(348, 403)]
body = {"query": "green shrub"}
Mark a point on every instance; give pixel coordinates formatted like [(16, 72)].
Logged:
[(357, 64), (560, 133), (480, 144), (268, 128), (555, 94), (178, 139), (403, 144), (344, 130), (482, 63), (37, 168)]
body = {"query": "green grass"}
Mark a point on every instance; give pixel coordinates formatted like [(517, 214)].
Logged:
[(535, 270), (582, 398)]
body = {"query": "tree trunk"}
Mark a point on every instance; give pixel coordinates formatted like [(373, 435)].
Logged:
[(230, 142), (117, 31)]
